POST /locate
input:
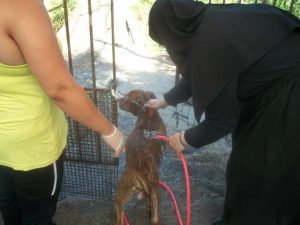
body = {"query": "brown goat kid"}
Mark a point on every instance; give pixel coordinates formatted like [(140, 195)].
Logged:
[(142, 156)]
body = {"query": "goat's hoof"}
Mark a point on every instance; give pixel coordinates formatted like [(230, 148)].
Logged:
[(157, 223)]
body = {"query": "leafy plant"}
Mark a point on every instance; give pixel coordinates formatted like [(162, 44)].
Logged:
[(56, 12)]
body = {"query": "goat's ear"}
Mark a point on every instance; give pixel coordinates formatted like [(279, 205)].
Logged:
[(135, 110), (151, 94)]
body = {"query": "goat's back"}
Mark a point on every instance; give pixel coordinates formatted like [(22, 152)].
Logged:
[(142, 153)]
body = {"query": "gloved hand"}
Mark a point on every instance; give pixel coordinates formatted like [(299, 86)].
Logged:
[(178, 142), (156, 103), (116, 141)]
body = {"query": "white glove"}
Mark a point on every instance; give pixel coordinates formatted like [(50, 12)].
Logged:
[(116, 141), (156, 103)]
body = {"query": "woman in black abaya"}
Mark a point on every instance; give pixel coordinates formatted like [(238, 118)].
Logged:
[(241, 66)]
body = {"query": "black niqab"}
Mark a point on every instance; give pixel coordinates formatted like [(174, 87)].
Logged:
[(212, 44)]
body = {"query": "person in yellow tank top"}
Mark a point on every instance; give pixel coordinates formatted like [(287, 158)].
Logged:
[(36, 91)]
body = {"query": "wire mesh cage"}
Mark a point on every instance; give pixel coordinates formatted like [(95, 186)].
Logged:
[(90, 170)]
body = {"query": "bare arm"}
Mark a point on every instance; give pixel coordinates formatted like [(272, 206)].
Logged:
[(30, 27)]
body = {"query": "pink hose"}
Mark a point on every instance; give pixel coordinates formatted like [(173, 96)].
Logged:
[(125, 219), (188, 189), (168, 189)]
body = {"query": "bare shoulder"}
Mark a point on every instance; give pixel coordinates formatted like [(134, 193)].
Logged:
[(12, 14), (10, 53), (20, 12)]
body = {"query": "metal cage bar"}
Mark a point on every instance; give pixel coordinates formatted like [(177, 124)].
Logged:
[(66, 17)]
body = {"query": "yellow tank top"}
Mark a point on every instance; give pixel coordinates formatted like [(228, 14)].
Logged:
[(33, 130)]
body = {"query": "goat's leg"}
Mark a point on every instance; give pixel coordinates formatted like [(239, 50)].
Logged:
[(122, 196), (119, 212), (148, 206), (155, 198)]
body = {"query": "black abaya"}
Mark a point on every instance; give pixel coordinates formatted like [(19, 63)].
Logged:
[(263, 179), (263, 172), (241, 66)]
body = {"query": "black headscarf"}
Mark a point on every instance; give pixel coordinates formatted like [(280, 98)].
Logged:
[(212, 44)]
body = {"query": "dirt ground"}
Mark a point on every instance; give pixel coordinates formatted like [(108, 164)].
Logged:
[(137, 67)]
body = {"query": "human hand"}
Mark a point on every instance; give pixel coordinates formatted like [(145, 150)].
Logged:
[(116, 141), (156, 103), (178, 142)]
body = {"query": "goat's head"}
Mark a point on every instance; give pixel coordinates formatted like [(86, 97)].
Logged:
[(134, 101)]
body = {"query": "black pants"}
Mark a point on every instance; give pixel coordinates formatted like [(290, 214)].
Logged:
[(30, 197)]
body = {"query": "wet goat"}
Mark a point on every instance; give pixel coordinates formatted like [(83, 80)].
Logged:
[(142, 156)]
